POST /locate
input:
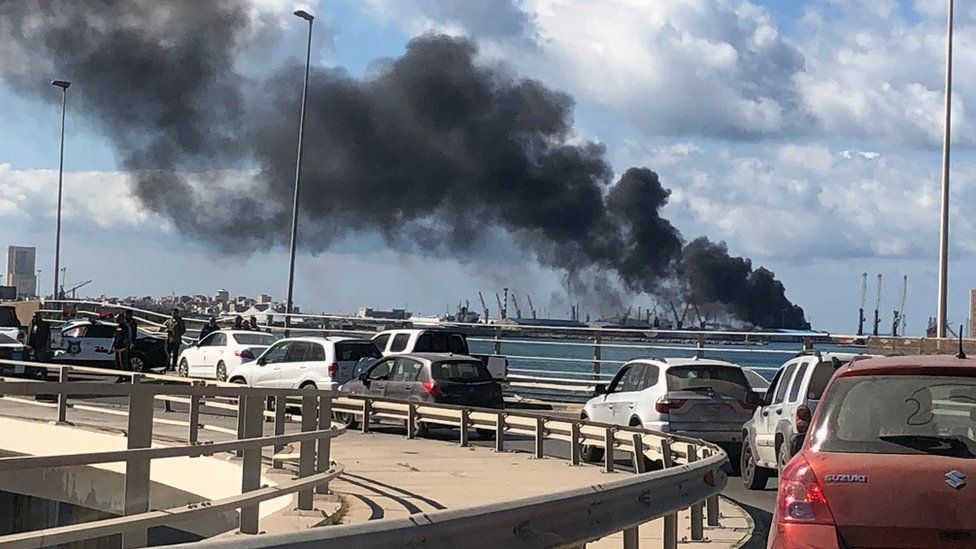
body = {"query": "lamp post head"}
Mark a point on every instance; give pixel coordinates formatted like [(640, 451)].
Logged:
[(63, 84), (305, 15)]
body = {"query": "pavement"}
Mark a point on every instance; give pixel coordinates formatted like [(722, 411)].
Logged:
[(388, 476)]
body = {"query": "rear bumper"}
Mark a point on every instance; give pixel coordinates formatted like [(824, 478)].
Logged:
[(724, 436), (802, 536)]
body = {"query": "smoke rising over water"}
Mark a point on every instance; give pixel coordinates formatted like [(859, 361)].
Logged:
[(431, 150)]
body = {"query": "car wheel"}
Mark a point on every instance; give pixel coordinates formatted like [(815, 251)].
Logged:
[(221, 371), (782, 455), (308, 385), (239, 381), (591, 454), (137, 363), (183, 370), (754, 477), (346, 419)]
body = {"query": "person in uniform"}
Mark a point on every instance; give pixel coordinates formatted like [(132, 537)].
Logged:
[(120, 343), (175, 328), (39, 341)]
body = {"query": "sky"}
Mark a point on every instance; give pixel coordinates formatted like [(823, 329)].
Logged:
[(805, 135)]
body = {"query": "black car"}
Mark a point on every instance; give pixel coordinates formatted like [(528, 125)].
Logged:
[(428, 377)]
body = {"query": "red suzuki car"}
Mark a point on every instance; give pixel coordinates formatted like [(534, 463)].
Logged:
[(889, 460)]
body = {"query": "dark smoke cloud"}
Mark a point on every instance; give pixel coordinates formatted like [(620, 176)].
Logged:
[(432, 151)]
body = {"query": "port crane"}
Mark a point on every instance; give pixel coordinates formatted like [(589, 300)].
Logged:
[(531, 306), (877, 309), (518, 310), (678, 322), (899, 315), (501, 310), (74, 290), (864, 299), (484, 306)]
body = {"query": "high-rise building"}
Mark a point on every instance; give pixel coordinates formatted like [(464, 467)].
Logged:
[(972, 314), (223, 296), (20, 270)]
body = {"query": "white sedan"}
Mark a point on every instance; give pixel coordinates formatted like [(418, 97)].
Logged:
[(221, 352)]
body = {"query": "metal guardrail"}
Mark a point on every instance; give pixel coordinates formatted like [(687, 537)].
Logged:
[(688, 470)]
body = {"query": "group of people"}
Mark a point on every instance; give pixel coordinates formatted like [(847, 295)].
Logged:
[(124, 339)]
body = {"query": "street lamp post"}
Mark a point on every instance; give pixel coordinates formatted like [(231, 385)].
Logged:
[(940, 330), (298, 172), (37, 277), (63, 84)]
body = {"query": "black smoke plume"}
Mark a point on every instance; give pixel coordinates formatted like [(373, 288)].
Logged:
[(431, 151)]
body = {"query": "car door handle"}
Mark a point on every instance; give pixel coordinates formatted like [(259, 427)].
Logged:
[(610, 406), (410, 387), (765, 413), (779, 412), (630, 405)]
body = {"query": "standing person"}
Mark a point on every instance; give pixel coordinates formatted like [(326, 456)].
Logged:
[(39, 340), (254, 324), (239, 322), (175, 328), (120, 343), (209, 328)]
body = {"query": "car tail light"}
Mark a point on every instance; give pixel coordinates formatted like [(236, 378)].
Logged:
[(665, 405), (803, 416), (801, 498), (246, 354), (334, 370), (432, 388)]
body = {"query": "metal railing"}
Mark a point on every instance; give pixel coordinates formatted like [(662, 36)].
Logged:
[(686, 472)]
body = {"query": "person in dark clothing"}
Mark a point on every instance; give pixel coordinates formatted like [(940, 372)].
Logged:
[(209, 328), (175, 328), (120, 343), (39, 341), (239, 322), (254, 324)]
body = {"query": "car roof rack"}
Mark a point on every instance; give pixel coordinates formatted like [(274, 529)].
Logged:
[(809, 352)]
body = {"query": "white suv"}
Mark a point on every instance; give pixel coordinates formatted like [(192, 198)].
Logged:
[(776, 430), (319, 362), (701, 398)]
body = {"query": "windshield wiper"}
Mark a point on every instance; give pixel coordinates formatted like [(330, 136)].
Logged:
[(943, 445)]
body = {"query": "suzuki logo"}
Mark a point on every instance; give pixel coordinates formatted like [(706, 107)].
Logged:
[(955, 479)]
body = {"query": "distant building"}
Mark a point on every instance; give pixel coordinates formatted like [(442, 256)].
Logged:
[(395, 314), (264, 298), (222, 296), (972, 313), (20, 270)]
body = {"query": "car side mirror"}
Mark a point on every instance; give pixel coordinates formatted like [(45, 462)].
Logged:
[(600, 389), (754, 399), (261, 361)]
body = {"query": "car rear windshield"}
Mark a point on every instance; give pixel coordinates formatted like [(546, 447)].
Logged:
[(254, 339), (354, 351), (899, 414), (464, 372), (721, 379), (8, 319), (441, 342)]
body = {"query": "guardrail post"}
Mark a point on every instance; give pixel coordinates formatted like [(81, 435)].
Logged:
[(670, 533), (540, 437), (139, 435), (597, 356), (500, 432), (498, 340), (711, 504), (464, 425), (575, 449), (280, 407), (697, 531), (367, 412), (306, 457), (324, 454), (640, 462), (608, 437), (631, 538), (240, 423), (251, 466), (807, 344), (700, 346), (62, 393), (411, 421), (194, 434)]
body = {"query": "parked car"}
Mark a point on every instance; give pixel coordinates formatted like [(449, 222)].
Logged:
[(89, 343), (399, 342), (11, 349), (221, 352), (10, 325), (890, 460), (696, 397), (428, 377), (319, 362), (776, 429)]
